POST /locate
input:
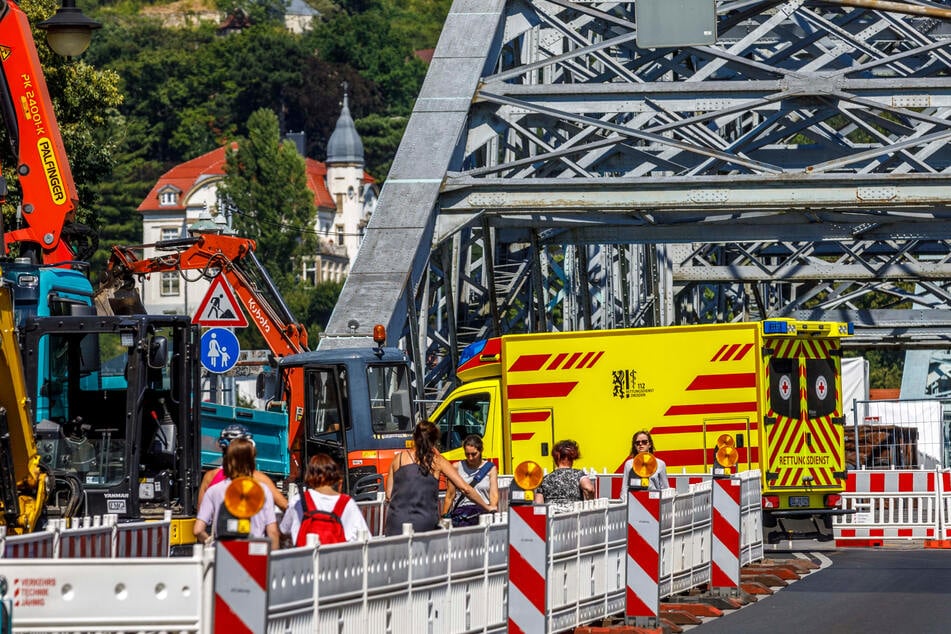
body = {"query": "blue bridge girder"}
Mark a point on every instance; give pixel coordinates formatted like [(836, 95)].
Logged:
[(555, 176)]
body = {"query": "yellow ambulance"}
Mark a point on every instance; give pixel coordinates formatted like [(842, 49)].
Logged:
[(773, 388)]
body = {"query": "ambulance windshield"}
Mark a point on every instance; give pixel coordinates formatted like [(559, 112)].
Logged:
[(463, 416)]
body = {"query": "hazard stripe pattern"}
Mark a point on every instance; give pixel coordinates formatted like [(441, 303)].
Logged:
[(727, 353), (241, 572), (643, 560), (527, 566), (725, 560)]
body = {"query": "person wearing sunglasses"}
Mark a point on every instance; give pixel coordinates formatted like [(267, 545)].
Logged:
[(643, 443)]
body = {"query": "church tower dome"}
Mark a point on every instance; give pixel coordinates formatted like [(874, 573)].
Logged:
[(345, 145)]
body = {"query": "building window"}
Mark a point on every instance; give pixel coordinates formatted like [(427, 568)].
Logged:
[(168, 197), (340, 235), (171, 284), (171, 233)]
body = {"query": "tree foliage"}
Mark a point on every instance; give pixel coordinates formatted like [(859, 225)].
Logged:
[(265, 187)]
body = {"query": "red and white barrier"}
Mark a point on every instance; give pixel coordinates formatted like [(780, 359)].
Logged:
[(241, 586), (40, 545), (725, 560), (528, 562), (143, 539), (93, 540), (642, 607), (90, 538), (893, 504)]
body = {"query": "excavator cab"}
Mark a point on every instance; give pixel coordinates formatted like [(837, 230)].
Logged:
[(357, 408), (116, 400)]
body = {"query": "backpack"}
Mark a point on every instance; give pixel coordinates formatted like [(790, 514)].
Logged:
[(325, 524)]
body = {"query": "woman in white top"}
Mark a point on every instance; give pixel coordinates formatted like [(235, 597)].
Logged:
[(643, 443), (487, 485), (323, 479)]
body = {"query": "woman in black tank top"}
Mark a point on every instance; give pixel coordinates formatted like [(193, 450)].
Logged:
[(412, 486)]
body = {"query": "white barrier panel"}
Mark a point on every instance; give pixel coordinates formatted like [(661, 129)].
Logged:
[(292, 591), (587, 549), (91, 538), (891, 504), (751, 517), (685, 539), (41, 545), (455, 581), (82, 595)]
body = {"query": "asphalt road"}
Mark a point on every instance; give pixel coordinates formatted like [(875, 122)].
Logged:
[(893, 590)]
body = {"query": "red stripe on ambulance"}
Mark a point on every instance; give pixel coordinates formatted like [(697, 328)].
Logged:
[(541, 390), (710, 408), (723, 381)]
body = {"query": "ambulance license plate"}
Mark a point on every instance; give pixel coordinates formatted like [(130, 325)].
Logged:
[(799, 501)]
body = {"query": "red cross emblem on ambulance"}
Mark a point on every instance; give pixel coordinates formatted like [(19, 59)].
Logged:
[(822, 387), (785, 387)]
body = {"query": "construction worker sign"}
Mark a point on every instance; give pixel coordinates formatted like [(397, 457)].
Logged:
[(219, 350), (219, 307)]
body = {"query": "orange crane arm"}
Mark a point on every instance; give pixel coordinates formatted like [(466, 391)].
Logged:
[(233, 257)]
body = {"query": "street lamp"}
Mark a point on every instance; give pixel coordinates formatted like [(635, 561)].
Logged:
[(69, 31)]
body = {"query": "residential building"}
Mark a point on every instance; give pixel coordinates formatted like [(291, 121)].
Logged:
[(344, 194)]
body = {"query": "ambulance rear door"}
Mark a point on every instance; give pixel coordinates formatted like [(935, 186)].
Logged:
[(804, 424)]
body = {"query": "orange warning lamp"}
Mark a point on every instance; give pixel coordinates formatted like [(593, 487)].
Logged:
[(727, 455), (644, 466), (379, 338), (528, 475), (243, 499)]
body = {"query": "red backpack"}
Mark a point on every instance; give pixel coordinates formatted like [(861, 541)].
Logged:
[(325, 524)]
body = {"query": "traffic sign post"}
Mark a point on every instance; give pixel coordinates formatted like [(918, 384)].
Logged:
[(219, 350)]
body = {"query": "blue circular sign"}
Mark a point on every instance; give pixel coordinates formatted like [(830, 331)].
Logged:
[(219, 350)]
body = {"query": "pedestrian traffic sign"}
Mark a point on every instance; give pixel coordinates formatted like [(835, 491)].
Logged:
[(219, 307), (219, 350)]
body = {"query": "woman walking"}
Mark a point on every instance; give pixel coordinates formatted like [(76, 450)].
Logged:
[(412, 487)]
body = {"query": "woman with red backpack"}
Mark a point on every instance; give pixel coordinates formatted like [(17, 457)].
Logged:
[(320, 509)]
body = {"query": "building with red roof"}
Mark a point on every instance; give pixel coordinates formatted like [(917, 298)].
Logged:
[(344, 195)]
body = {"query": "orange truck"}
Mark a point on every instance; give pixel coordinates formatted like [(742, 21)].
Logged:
[(773, 388)]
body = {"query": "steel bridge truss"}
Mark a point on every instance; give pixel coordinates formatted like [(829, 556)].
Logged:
[(555, 176)]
